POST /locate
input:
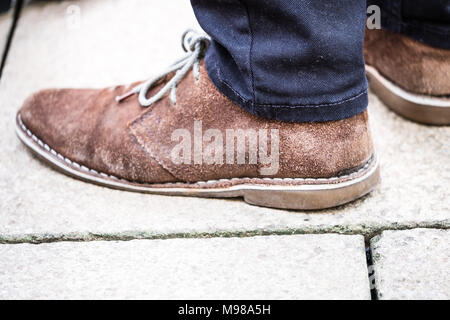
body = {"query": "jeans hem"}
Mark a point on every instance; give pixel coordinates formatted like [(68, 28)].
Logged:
[(434, 34), (421, 32), (322, 112)]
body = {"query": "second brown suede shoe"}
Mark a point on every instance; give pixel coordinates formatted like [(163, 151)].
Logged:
[(194, 141), (412, 78)]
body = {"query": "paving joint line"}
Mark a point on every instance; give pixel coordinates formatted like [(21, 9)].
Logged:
[(143, 235), (18, 4), (371, 274)]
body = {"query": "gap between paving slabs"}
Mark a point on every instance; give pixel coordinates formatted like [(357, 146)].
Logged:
[(368, 234), (51, 217), (369, 261), (15, 14), (367, 231), (128, 236)]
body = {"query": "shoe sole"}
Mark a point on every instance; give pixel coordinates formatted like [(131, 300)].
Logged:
[(419, 108), (295, 193)]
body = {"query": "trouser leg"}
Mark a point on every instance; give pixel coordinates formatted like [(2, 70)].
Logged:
[(427, 21), (290, 60)]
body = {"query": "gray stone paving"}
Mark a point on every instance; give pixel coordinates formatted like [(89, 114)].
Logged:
[(98, 43), (273, 267), (412, 264), (103, 50)]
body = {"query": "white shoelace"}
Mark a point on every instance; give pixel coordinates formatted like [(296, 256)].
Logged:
[(192, 42)]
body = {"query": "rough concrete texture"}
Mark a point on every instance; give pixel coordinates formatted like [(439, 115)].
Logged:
[(99, 43), (273, 267), (412, 264)]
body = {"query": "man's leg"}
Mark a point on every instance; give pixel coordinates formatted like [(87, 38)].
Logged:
[(187, 131), (409, 59), (297, 61)]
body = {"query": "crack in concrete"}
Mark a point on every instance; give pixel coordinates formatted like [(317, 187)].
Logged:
[(367, 231)]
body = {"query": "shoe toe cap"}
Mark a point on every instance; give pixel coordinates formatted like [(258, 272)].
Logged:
[(84, 126)]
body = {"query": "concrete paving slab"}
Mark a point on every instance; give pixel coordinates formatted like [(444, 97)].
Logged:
[(273, 267), (412, 264), (99, 43)]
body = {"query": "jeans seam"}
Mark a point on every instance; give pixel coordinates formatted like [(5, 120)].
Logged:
[(250, 53), (292, 106), (400, 9), (232, 89)]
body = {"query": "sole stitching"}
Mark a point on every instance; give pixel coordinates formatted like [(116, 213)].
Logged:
[(78, 166)]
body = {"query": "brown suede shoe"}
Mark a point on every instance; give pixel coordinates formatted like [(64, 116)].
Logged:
[(201, 145), (412, 78)]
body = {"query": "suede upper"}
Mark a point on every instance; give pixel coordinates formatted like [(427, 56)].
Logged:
[(134, 143), (414, 66)]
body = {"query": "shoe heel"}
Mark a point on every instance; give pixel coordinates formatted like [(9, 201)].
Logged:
[(419, 108), (313, 197)]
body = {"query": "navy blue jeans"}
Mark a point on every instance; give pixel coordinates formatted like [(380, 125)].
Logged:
[(427, 21), (290, 60)]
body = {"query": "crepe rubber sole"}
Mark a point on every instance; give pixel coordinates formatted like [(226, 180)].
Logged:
[(293, 193), (419, 108)]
